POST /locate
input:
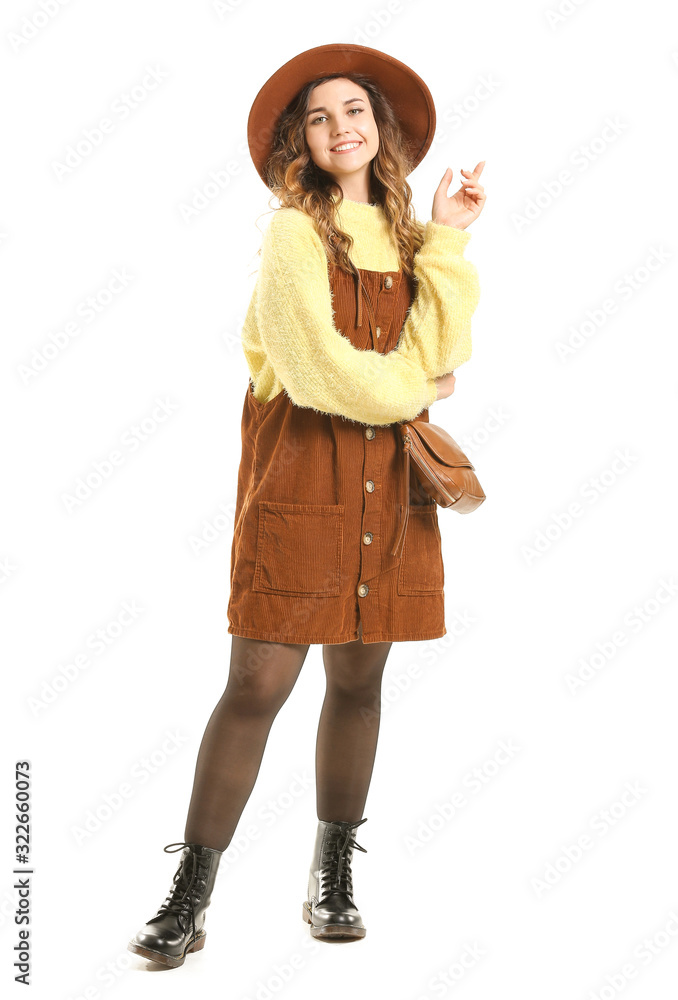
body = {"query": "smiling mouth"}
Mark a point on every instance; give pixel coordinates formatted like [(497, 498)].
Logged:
[(346, 147)]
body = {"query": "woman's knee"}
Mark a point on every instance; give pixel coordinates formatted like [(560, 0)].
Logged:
[(262, 674), (354, 666)]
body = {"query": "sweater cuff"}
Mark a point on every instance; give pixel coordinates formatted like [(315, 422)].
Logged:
[(432, 392), (446, 238)]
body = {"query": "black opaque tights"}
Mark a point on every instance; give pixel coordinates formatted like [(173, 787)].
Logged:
[(261, 678)]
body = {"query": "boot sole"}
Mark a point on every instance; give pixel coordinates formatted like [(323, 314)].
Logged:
[(332, 932), (170, 960)]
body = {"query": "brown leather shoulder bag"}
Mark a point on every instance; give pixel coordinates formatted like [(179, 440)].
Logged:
[(442, 471)]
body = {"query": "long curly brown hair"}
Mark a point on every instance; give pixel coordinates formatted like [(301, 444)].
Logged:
[(297, 182)]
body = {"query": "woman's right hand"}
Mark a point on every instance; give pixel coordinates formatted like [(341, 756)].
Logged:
[(445, 384)]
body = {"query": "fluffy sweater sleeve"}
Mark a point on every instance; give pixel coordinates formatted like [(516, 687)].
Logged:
[(315, 363), (437, 331)]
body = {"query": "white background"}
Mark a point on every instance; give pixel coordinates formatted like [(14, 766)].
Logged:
[(534, 94)]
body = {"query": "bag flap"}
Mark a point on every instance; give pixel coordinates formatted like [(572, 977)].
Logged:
[(440, 444)]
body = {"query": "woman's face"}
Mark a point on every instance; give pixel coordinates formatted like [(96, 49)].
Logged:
[(340, 115)]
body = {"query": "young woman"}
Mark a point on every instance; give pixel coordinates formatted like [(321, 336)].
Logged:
[(359, 317)]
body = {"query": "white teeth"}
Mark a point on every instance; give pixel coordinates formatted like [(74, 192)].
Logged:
[(347, 145)]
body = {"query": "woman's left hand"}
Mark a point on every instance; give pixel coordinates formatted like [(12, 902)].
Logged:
[(463, 207), (445, 385)]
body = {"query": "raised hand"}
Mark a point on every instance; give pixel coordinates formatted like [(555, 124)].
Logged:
[(461, 208)]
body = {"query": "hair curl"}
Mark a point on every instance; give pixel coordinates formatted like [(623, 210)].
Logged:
[(299, 183)]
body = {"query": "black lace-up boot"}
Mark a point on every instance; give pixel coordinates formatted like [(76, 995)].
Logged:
[(179, 925), (330, 909)]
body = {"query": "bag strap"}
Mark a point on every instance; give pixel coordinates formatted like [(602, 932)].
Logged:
[(405, 505)]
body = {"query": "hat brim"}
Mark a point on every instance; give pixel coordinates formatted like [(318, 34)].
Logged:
[(409, 95)]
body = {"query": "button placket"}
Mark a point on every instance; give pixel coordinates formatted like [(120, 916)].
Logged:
[(370, 562), (384, 307)]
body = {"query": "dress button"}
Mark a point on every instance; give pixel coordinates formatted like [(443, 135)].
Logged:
[(369, 486), (378, 331), (363, 590), (369, 433), (367, 537), (388, 281)]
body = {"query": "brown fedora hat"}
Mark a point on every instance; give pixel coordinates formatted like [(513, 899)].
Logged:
[(408, 93)]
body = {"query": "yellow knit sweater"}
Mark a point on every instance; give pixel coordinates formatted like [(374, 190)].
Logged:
[(290, 340)]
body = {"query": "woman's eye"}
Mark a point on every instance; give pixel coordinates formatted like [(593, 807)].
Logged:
[(359, 110)]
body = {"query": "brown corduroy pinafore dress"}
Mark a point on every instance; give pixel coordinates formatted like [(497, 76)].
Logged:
[(319, 507)]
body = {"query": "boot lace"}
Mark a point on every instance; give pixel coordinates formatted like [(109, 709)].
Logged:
[(335, 874), (182, 896)]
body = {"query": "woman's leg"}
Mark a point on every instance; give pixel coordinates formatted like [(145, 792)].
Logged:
[(349, 727), (261, 677)]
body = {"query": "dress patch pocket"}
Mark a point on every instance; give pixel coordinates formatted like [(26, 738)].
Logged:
[(299, 549), (421, 566)]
